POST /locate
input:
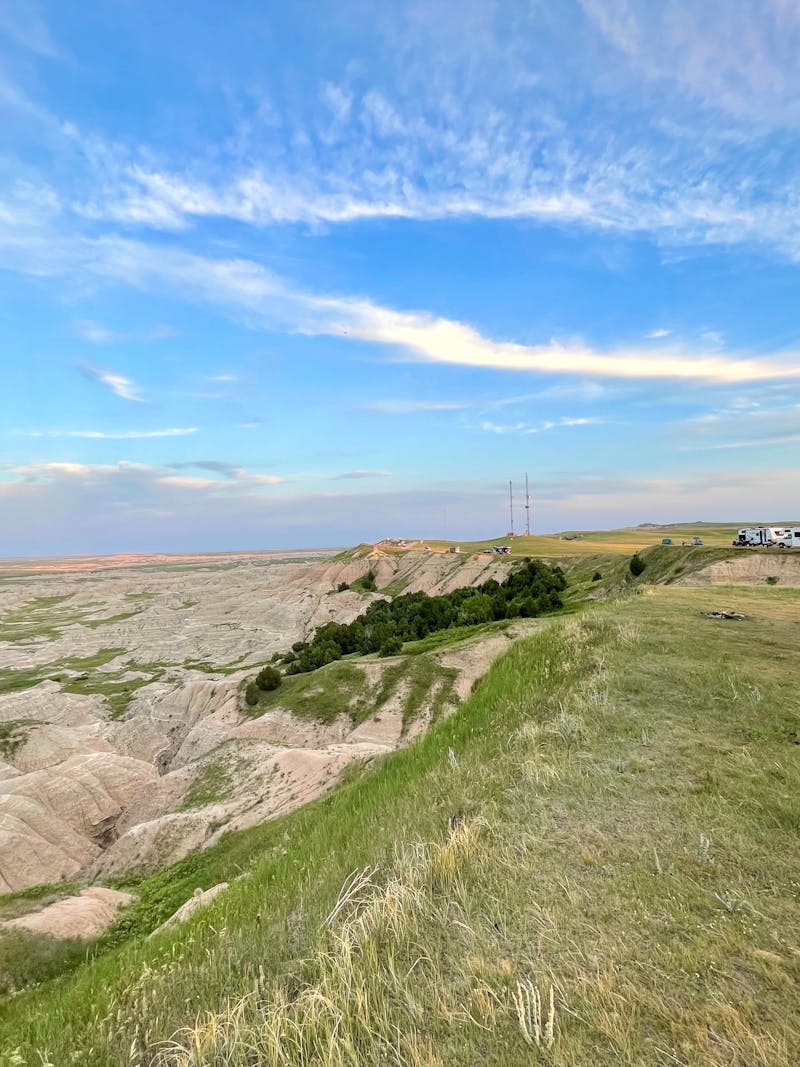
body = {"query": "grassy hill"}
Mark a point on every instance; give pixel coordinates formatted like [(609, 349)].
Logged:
[(593, 862), (589, 542)]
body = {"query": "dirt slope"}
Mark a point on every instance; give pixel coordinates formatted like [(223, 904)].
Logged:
[(750, 568)]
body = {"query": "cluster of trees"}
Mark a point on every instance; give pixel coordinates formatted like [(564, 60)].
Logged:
[(533, 589)]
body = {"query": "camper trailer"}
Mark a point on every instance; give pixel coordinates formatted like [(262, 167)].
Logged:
[(767, 537), (790, 538)]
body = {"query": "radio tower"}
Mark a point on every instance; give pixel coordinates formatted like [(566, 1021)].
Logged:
[(511, 506), (527, 508)]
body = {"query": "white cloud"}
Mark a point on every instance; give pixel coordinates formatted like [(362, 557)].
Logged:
[(525, 428), (246, 289), (410, 407), (22, 21), (360, 474), (96, 333), (788, 439), (654, 334), (739, 56), (110, 435), (118, 384), (234, 479)]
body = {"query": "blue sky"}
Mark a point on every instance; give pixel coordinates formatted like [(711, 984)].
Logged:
[(277, 275)]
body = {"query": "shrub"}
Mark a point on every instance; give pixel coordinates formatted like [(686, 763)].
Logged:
[(342, 587), (596, 576), (392, 647), (251, 694), (269, 678), (368, 581), (636, 565)]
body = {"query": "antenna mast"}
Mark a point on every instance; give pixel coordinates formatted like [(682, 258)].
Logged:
[(527, 508), (511, 505)]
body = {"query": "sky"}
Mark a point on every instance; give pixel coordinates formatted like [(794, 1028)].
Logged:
[(307, 274)]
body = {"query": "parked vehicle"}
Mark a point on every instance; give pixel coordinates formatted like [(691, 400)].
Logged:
[(666, 540), (767, 537), (697, 541), (790, 538)]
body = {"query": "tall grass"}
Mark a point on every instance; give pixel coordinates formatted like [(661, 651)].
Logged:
[(592, 862)]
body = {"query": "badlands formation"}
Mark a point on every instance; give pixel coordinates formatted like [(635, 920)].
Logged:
[(125, 742)]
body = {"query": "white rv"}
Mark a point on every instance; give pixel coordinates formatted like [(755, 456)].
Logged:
[(751, 536), (768, 537), (790, 538)]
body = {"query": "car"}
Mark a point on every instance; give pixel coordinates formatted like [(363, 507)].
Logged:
[(666, 540), (697, 541)]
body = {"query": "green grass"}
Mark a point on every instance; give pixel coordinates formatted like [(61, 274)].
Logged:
[(27, 958), (47, 617), (324, 694), (13, 734), (21, 901), (395, 588), (212, 668), (213, 784), (455, 637), (14, 680), (341, 688), (89, 680), (625, 792)]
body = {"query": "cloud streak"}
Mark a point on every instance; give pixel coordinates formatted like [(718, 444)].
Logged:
[(245, 289), (413, 407), (118, 384), (359, 475), (111, 435)]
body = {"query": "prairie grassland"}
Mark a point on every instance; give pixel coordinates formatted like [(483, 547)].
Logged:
[(588, 542), (593, 862)]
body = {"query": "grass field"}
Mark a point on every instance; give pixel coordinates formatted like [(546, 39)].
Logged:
[(590, 542), (593, 862)]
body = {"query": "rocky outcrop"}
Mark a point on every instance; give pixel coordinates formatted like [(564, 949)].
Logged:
[(53, 822), (750, 567), (200, 899), (85, 794), (85, 915)]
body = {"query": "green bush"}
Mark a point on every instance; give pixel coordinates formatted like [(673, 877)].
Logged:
[(269, 678), (342, 587), (368, 581), (596, 577), (636, 565), (392, 647), (251, 694)]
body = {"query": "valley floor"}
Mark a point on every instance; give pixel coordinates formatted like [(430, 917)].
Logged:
[(593, 862)]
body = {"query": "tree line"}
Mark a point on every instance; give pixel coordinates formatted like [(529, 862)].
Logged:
[(532, 589)]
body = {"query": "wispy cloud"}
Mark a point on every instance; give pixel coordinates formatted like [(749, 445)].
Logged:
[(542, 427), (246, 289), (95, 332), (98, 334), (111, 435), (22, 21), (787, 439), (358, 475), (749, 71), (412, 407), (235, 479), (655, 334), (118, 384)]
